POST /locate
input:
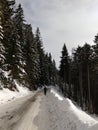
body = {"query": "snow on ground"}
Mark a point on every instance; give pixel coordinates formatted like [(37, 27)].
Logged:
[(7, 95), (57, 94), (23, 90), (50, 112), (80, 119)]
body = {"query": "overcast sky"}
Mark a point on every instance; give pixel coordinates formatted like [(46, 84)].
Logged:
[(72, 22)]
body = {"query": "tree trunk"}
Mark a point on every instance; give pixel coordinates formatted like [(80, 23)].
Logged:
[(90, 108), (80, 84), (70, 95)]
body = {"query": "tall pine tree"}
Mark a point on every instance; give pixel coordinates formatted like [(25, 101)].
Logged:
[(7, 27), (64, 67), (38, 41), (32, 58), (19, 28)]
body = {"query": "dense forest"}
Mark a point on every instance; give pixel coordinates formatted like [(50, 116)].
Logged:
[(24, 60), (22, 55), (79, 75)]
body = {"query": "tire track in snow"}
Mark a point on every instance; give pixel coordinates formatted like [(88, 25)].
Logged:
[(19, 114)]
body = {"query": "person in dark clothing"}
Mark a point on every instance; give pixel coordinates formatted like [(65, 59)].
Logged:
[(45, 90)]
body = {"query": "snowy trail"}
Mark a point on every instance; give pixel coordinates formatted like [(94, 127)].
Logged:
[(61, 114), (19, 114), (53, 117), (39, 112)]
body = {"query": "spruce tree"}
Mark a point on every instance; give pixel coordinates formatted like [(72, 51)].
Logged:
[(50, 68), (38, 41), (64, 68), (1, 38), (94, 83), (2, 50), (6, 24), (32, 58), (20, 62), (46, 67), (7, 40), (55, 75)]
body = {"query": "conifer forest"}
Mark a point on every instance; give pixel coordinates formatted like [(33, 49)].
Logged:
[(24, 59)]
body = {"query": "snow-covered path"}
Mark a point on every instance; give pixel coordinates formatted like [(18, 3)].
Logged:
[(39, 112), (55, 117), (19, 114), (57, 113)]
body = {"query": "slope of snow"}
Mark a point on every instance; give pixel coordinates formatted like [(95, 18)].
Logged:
[(23, 90), (8, 95), (57, 94), (82, 116), (81, 119)]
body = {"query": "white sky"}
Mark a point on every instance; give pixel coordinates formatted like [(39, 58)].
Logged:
[(73, 22)]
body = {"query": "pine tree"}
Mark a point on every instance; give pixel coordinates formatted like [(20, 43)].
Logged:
[(46, 68), (2, 50), (32, 58), (94, 74), (19, 28), (19, 23), (74, 92), (38, 41), (87, 52), (51, 73), (22, 55), (1, 37), (6, 22), (64, 68), (55, 75), (7, 27), (50, 68), (81, 76)]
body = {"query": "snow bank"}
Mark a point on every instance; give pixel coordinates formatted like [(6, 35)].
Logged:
[(57, 94), (82, 116), (7, 95), (22, 90), (82, 120)]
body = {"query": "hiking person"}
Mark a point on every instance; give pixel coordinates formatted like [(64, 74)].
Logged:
[(45, 90)]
